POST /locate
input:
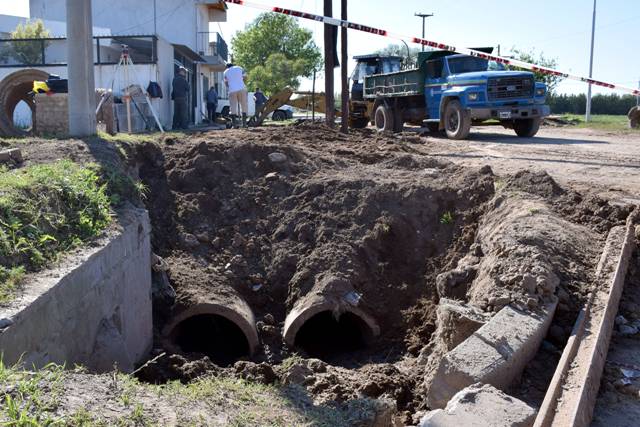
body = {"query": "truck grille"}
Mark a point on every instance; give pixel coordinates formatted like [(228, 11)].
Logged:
[(500, 88)]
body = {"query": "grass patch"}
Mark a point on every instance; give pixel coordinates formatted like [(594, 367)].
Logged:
[(446, 218), (600, 121), (46, 210)]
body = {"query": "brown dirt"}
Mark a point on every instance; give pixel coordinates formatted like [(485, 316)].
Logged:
[(376, 212), (369, 209)]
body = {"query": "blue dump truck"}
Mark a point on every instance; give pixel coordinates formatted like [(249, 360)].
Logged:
[(451, 92)]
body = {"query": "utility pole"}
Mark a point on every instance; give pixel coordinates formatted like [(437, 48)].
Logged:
[(593, 37), (155, 18), (344, 125), (329, 54), (82, 88), (424, 17)]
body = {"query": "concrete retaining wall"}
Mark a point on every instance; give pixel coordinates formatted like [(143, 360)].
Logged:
[(94, 310)]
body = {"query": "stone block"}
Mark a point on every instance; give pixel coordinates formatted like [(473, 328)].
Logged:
[(481, 406), (495, 354)]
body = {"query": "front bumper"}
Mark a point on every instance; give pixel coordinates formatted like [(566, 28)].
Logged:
[(510, 113)]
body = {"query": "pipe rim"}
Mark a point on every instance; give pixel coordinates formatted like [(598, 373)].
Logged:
[(298, 317), (247, 326)]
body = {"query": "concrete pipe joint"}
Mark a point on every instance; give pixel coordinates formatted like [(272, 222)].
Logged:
[(325, 326), (222, 328)]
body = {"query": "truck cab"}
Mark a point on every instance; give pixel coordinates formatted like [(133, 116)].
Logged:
[(367, 65), (452, 92)]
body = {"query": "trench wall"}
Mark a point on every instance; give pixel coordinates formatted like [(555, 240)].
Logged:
[(94, 310)]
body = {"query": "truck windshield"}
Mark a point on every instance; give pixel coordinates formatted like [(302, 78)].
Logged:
[(470, 64)]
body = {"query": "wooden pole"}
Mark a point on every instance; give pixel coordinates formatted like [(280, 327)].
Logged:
[(329, 54), (344, 127), (313, 98)]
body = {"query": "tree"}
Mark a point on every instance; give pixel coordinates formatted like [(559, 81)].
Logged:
[(409, 59), (531, 57), (27, 52), (270, 34), (277, 73)]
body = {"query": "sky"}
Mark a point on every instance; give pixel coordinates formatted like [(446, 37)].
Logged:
[(560, 29)]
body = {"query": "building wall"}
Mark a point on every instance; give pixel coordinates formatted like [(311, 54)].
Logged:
[(143, 74), (176, 20)]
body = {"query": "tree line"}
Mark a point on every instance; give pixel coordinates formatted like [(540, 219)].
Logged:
[(600, 104)]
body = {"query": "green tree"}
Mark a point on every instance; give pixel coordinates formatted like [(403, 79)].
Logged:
[(539, 59), (27, 52), (409, 58), (278, 34), (277, 73)]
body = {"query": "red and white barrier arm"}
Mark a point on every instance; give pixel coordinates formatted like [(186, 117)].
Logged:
[(437, 45)]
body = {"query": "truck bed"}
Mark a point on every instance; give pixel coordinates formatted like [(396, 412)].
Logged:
[(398, 84)]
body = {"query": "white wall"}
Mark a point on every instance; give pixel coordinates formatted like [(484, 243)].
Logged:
[(8, 23), (177, 21)]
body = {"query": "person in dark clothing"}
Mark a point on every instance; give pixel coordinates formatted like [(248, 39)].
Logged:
[(180, 95), (260, 100), (212, 104)]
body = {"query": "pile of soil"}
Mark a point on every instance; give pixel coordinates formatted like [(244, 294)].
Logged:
[(267, 214)]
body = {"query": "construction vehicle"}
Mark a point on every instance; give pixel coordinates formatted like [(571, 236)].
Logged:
[(452, 92), (360, 110)]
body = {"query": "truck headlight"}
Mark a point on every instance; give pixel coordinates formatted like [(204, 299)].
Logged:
[(541, 91), (473, 96)]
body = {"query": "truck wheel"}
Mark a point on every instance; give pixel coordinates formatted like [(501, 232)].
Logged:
[(457, 121), (526, 128), (360, 123), (384, 119)]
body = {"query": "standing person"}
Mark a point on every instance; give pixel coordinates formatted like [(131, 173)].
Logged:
[(260, 99), (212, 104), (180, 94), (234, 79)]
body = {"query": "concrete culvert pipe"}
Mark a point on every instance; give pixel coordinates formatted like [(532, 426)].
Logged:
[(13, 89), (326, 327), (225, 331)]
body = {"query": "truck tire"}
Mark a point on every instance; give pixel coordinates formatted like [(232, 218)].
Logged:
[(384, 119), (457, 120), (526, 128), (359, 123)]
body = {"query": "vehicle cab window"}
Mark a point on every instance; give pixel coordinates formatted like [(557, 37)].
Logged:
[(435, 69)]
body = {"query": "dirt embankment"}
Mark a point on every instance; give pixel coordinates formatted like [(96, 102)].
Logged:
[(273, 215)]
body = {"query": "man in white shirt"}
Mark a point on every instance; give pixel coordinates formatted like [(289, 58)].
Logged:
[(234, 79)]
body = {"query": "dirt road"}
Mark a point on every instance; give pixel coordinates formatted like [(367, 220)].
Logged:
[(608, 162)]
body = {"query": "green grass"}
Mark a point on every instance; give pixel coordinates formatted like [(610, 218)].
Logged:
[(601, 122), (46, 210), (41, 399), (446, 218)]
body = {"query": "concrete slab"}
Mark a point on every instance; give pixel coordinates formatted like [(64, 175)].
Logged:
[(481, 406), (495, 354), (93, 310)]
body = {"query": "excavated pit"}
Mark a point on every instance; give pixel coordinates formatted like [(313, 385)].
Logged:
[(323, 246)]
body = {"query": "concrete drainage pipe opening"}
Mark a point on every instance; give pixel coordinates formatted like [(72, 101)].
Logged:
[(325, 335), (224, 334), (215, 336), (13, 89)]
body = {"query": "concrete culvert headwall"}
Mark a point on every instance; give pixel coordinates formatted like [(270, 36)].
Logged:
[(325, 327), (13, 89), (222, 331)]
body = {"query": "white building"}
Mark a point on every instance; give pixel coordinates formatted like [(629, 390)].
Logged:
[(161, 34)]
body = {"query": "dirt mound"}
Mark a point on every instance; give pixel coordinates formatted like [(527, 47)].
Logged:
[(364, 224)]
